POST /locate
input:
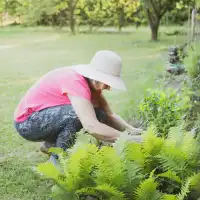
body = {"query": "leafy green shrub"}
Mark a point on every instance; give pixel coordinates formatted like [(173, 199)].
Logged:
[(192, 87), (192, 62), (163, 109), (157, 169)]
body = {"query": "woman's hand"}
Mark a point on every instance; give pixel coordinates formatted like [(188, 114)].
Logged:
[(134, 138), (135, 131)]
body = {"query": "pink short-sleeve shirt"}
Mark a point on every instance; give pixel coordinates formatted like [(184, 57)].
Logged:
[(51, 90)]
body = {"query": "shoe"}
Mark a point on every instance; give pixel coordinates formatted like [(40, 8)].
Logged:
[(45, 146), (54, 161)]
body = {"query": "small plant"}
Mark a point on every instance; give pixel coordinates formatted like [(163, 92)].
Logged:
[(163, 109), (157, 169), (192, 62)]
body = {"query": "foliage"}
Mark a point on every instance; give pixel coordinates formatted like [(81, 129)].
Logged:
[(118, 13), (123, 11), (39, 12), (93, 13), (192, 62), (162, 169), (164, 109), (155, 10), (15, 7), (96, 13), (2, 6)]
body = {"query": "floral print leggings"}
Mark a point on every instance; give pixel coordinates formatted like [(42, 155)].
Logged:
[(56, 125)]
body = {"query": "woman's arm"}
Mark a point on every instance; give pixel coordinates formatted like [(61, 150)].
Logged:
[(85, 112), (115, 120)]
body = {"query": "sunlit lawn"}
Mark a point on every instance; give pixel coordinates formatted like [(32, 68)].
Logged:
[(27, 54)]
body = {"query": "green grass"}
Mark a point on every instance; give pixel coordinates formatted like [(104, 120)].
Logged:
[(30, 53)]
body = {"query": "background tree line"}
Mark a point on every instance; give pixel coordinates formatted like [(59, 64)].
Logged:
[(98, 13)]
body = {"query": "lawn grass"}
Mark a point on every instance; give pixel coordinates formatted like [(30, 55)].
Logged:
[(27, 54)]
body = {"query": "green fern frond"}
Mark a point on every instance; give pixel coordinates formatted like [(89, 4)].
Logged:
[(185, 189), (57, 150), (168, 197), (151, 131), (152, 173), (182, 140), (59, 194), (195, 182), (170, 175), (80, 165), (85, 138), (134, 152), (134, 175), (104, 191), (110, 168), (51, 172), (110, 191), (83, 192), (148, 190), (152, 145), (175, 135), (172, 158)]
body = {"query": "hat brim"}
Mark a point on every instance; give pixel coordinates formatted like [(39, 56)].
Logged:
[(87, 71)]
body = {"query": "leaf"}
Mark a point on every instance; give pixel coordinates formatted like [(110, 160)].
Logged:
[(172, 158), (195, 182), (134, 153), (171, 175), (168, 197), (152, 145), (148, 190), (184, 190), (110, 168), (48, 170), (110, 191), (51, 172), (57, 150), (87, 192), (79, 166), (134, 174)]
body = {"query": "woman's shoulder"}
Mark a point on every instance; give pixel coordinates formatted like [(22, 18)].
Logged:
[(64, 72)]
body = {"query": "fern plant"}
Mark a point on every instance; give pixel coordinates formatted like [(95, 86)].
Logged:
[(158, 168)]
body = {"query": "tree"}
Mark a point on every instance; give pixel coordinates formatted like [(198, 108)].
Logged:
[(123, 11), (155, 10), (15, 7), (72, 5), (93, 12), (52, 12)]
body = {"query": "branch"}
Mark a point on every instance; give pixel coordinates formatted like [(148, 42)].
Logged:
[(154, 7), (75, 4), (160, 5), (164, 11), (150, 17)]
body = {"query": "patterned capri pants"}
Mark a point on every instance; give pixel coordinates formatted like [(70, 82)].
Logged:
[(56, 125)]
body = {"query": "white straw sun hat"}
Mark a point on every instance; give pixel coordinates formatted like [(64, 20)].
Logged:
[(105, 67)]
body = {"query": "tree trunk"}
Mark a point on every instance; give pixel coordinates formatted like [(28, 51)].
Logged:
[(72, 20), (72, 23), (154, 22), (120, 28), (154, 31)]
